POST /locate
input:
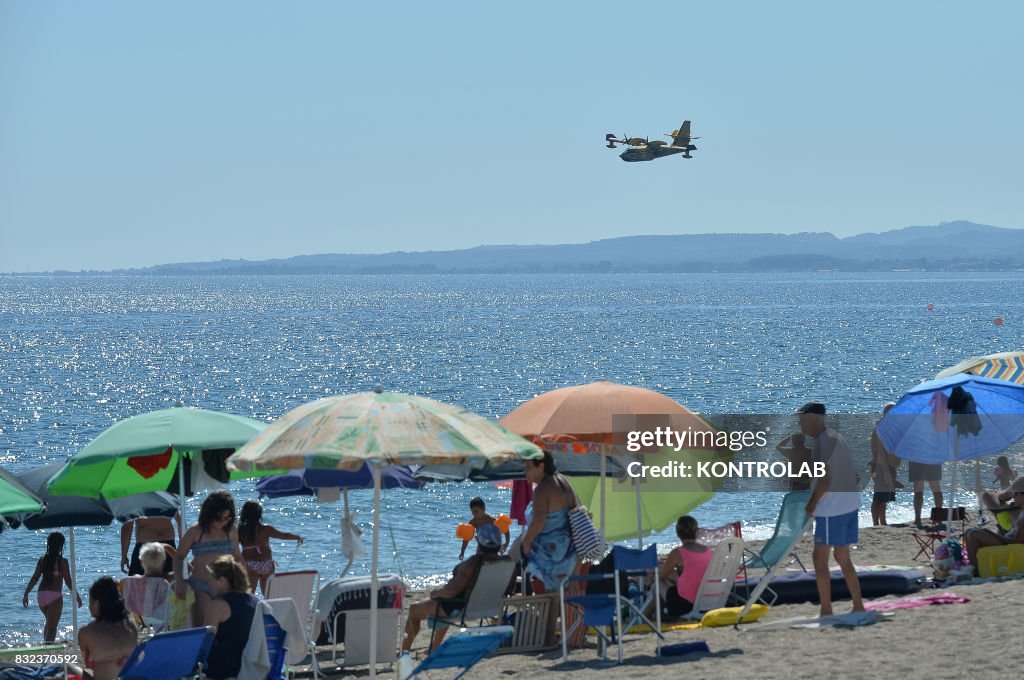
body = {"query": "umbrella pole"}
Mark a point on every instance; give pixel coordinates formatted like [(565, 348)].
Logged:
[(344, 517), (181, 492), (74, 589), (639, 517), (604, 463), (373, 571), (952, 492)]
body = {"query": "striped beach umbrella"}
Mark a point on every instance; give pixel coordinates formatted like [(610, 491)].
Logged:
[(1007, 366)]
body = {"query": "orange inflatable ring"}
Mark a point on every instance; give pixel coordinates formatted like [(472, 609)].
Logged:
[(465, 531), (503, 522)]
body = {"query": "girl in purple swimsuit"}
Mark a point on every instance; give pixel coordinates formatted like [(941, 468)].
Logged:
[(255, 539), (51, 569)]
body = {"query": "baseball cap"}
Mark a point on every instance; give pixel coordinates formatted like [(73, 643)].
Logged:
[(812, 407), (488, 536)]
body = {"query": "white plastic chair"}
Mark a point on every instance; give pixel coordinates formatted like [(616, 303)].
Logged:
[(717, 582), (299, 586)]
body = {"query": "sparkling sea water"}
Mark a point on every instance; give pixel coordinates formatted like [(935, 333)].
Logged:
[(78, 353)]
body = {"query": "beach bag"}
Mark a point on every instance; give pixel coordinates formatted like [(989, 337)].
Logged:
[(585, 538)]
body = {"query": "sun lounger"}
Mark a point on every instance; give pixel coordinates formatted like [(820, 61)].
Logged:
[(170, 656), (465, 649)]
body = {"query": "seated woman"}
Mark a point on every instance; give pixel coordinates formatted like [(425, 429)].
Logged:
[(976, 539), (690, 560), (108, 641), (231, 613)]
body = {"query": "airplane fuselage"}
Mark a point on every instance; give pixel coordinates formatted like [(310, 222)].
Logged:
[(651, 153)]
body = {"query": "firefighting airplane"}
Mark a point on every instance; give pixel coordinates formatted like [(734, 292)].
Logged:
[(641, 149)]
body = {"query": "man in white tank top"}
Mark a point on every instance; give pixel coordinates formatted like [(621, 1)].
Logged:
[(834, 505)]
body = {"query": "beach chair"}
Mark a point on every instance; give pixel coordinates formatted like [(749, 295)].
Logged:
[(716, 585), (465, 649), (789, 527), (146, 597), (299, 586), (787, 549), (287, 615), (274, 635), (357, 637), (483, 599), (939, 530), (1001, 560), (608, 611), (170, 656)]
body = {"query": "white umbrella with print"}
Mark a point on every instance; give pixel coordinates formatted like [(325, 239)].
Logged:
[(379, 429)]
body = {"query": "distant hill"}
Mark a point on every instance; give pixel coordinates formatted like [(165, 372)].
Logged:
[(948, 246)]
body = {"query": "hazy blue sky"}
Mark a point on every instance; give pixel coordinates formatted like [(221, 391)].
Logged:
[(135, 133)]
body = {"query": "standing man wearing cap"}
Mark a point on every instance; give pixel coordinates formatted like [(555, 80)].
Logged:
[(834, 504), (451, 598)]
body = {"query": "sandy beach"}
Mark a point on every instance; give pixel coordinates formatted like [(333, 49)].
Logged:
[(939, 641)]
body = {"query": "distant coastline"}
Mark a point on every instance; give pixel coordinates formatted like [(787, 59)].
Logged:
[(950, 246)]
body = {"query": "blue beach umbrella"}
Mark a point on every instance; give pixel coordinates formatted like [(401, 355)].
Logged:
[(923, 428), (305, 482), (309, 482)]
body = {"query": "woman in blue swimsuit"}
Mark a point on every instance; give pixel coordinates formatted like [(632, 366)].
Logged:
[(213, 536)]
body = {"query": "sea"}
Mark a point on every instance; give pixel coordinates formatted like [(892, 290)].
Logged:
[(78, 353)]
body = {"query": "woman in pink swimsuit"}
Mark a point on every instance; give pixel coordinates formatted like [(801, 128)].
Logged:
[(51, 569), (690, 560), (255, 539)]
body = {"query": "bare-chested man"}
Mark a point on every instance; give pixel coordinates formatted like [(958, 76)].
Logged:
[(147, 530)]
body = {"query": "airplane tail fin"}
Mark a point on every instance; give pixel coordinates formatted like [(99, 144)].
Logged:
[(681, 137)]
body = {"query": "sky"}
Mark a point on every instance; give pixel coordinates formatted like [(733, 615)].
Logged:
[(140, 133)]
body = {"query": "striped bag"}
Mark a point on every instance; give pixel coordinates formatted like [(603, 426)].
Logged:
[(585, 537)]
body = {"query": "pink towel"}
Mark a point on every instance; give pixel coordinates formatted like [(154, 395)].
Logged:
[(522, 494), (915, 602)]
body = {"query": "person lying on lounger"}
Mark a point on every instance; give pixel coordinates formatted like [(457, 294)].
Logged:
[(976, 539)]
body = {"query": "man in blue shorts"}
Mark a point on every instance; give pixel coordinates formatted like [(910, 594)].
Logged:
[(834, 504)]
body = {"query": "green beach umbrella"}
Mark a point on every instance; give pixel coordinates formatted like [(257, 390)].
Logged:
[(15, 498), (143, 453), (380, 429), (636, 507)]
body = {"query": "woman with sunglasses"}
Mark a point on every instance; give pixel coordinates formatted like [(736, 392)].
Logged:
[(213, 536)]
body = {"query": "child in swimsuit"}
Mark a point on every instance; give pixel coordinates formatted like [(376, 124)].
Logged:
[(255, 539), (51, 569)]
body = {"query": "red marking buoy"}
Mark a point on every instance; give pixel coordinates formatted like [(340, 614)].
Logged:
[(998, 321), (931, 307)]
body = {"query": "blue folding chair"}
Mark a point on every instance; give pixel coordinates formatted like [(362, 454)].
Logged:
[(170, 656), (789, 527), (465, 649), (607, 611), (275, 647)]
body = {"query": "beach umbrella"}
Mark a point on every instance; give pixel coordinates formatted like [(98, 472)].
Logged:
[(144, 453), (379, 429), (15, 497), (77, 511), (922, 427), (581, 420), (1001, 366), (640, 507), (308, 482), (1007, 366)]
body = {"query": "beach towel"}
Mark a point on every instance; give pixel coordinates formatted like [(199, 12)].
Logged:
[(552, 556), (916, 601), (181, 610), (522, 495), (147, 597), (851, 620)]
